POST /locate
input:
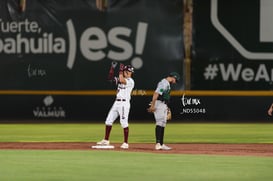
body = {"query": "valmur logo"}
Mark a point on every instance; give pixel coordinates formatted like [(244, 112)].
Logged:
[(91, 42), (49, 110)]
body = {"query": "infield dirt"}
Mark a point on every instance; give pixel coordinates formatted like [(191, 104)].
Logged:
[(183, 148)]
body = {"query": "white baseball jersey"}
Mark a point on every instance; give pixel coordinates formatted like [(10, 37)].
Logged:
[(124, 90), (121, 106)]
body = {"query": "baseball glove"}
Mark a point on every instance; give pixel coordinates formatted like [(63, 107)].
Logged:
[(169, 114)]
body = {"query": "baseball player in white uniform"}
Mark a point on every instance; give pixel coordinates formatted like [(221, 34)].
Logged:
[(159, 106), (121, 106)]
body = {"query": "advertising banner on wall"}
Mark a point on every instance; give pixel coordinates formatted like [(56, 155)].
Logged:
[(55, 56), (69, 45), (232, 45)]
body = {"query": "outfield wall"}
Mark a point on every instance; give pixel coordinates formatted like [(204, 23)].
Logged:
[(55, 57), (232, 45), (205, 106)]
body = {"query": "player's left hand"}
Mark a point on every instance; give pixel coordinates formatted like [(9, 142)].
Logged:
[(169, 114), (270, 112)]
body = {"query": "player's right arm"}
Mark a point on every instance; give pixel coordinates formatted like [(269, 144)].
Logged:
[(152, 106)]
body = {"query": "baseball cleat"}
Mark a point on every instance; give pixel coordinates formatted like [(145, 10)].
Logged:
[(165, 147), (103, 142), (158, 146), (124, 146)]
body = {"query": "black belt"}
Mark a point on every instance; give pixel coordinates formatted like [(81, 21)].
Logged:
[(165, 102), (120, 99)]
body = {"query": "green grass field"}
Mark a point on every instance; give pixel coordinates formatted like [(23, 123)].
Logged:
[(140, 133), (34, 165)]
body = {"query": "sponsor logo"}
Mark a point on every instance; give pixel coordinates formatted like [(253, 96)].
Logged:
[(49, 110)]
